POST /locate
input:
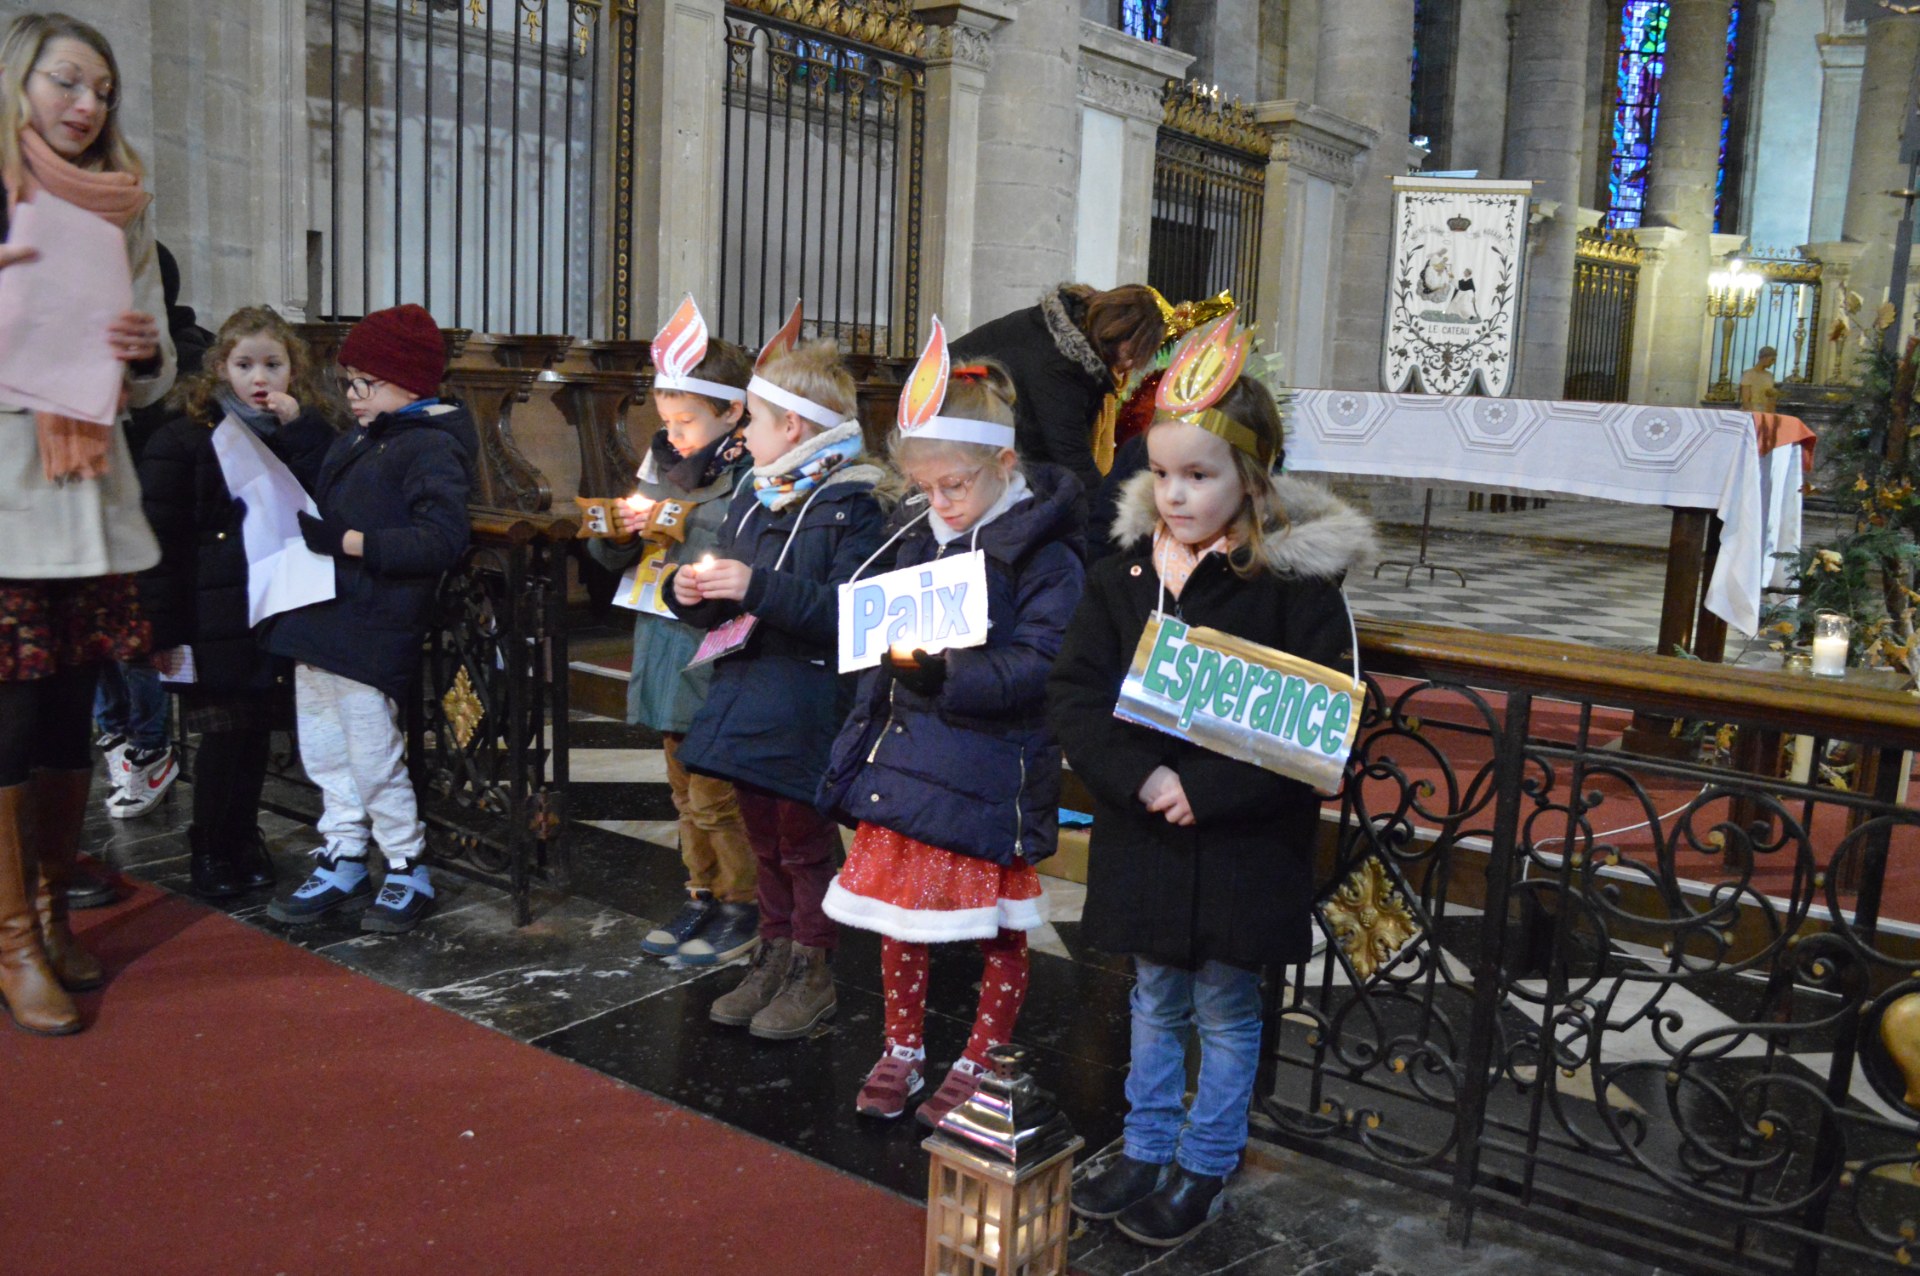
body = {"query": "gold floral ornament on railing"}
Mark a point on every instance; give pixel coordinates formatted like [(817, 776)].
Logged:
[(1195, 109), (1370, 919), (463, 708), (884, 24)]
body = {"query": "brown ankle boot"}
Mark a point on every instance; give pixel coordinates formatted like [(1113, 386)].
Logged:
[(32, 994), (765, 974), (804, 1000), (60, 810)]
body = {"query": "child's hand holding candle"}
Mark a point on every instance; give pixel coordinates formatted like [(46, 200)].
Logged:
[(633, 512), (723, 578)]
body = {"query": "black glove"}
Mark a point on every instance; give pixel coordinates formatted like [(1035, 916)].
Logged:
[(323, 535), (926, 675)]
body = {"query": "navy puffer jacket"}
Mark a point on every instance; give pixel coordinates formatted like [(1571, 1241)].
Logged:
[(975, 770), (403, 482)]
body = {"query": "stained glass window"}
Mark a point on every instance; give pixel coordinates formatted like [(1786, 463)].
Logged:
[(1636, 111), (1144, 19)]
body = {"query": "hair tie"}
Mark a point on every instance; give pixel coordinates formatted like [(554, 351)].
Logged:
[(970, 372)]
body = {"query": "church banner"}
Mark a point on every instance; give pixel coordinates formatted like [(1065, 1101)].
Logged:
[(1243, 700), (1453, 291)]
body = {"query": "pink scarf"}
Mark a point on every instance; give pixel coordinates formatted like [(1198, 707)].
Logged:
[(1175, 560), (71, 449)]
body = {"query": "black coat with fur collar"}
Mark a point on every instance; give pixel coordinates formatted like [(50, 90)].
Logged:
[(1238, 885), (1059, 379)]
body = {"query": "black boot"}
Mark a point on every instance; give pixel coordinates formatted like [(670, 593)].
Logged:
[(1105, 1194), (1185, 1203), (248, 857), (210, 868)]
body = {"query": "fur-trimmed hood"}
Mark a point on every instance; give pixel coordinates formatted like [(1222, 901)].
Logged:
[(1324, 537), (1064, 308)]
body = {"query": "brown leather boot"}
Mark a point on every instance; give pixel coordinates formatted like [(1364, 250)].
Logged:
[(32, 993), (765, 975), (60, 810), (804, 1001)]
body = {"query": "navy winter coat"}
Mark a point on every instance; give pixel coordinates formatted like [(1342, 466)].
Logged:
[(773, 709), (403, 482), (975, 770), (197, 594)]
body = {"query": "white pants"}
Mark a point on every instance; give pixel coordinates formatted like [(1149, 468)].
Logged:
[(351, 744)]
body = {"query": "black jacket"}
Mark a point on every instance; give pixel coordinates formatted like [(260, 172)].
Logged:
[(198, 593), (403, 481), (1059, 380), (1237, 886), (773, 709), (975, 770)]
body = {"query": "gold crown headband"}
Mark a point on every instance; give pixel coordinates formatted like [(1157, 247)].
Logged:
[(1204, 367), (1177, 321)]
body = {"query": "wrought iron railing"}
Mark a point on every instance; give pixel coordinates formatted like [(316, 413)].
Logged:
[(476, 156), (1786, 316), (1651, 1003), (1209, 196), (1606, 288), (823, 147)]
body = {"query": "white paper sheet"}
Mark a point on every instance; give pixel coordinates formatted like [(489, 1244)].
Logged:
[(54, 312), (186, 675), (282, 573)]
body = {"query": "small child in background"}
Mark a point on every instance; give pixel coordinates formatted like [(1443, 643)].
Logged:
[(947, 765), (1200, 866), (792, 537), (260, 376), (695, 461), (393, 517)]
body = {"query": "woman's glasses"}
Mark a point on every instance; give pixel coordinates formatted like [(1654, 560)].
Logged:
[(71, 89), (951, 490)]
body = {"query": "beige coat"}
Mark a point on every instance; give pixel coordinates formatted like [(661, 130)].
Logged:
[(94, 528)]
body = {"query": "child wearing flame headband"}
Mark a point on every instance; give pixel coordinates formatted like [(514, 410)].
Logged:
[(946, 765), (1200, 866), (791, 536)]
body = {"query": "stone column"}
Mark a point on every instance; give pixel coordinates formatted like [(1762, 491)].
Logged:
[(1835, 362), (1686, 160), (677, 188), (1024, 213), (1893, 43), (1224, 37), (1481, 51), (1841, 59), (1120, 112), (1546, 110), (1309, 183), (959, 55), (1363, 76)]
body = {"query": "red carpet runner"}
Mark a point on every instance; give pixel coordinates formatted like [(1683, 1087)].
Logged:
[(241, 1105)]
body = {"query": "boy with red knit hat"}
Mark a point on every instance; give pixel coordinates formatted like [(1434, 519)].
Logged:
[(392, 495)]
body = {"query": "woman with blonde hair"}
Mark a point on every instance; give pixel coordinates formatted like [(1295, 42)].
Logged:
[(72, 534)]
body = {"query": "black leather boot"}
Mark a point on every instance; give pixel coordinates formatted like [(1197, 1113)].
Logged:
[(210, 869), (1105, 1194), (250, 865), (1185, 1203)]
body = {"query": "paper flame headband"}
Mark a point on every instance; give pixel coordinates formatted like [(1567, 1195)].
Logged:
[(677, 351), (1205, 365), (926, 392), (782, 341)]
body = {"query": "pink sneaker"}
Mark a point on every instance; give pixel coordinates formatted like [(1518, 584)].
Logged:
[(894, 1080), (962, 1080)]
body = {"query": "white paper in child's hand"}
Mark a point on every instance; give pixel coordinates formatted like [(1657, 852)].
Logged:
[(54, 312)]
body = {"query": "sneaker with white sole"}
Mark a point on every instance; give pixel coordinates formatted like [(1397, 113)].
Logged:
[(144, 779)]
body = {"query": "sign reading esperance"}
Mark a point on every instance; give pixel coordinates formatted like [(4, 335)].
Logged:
[(1238, 698), (935, 606)]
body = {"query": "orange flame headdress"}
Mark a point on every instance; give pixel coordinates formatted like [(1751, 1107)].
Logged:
[(926, 393), (779, 343), (1205, 365), (677, 351)]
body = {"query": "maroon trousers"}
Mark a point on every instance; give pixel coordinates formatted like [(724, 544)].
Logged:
[(795, 846)]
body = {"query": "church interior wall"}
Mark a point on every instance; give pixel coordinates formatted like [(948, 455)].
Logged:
[(1784, 151)]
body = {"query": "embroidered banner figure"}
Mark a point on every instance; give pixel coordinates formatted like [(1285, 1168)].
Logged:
[(1453, 292)]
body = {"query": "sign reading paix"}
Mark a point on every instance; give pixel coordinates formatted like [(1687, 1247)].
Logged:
[(935, 606)]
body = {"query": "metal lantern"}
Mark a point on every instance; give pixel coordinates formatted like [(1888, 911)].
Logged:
[(1000, 1177)]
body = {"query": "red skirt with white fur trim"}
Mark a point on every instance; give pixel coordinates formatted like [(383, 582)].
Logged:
[(910, 891)]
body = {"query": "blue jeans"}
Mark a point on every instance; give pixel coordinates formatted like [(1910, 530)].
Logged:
[(1223, 1002), (131, 702)]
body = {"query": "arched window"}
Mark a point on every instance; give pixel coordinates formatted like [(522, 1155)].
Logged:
[(1636, 110)]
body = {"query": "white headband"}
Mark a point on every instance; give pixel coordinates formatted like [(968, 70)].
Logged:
[(960, 429), (792, 402), (695, 385)]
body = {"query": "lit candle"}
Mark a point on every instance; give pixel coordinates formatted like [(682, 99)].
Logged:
[(902, 653), (1830, 644)]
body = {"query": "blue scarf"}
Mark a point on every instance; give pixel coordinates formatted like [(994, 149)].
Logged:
[(777, 491)]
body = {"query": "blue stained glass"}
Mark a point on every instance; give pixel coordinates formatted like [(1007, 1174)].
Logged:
[(1636, 112), (1144, 20), (1726, 111)]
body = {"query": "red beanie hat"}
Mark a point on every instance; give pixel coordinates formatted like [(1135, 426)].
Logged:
[(402, 345)]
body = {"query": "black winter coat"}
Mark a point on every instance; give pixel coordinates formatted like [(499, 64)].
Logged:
[(975, 770), (1059, 379), (197, 594), (403, 482), (1237, 885), (773, 709)]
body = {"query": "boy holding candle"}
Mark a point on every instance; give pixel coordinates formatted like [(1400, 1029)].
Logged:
[(791, 537), (693, 465)]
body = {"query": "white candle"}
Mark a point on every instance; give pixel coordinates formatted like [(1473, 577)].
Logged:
[(902, 653), (1830, 655)]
